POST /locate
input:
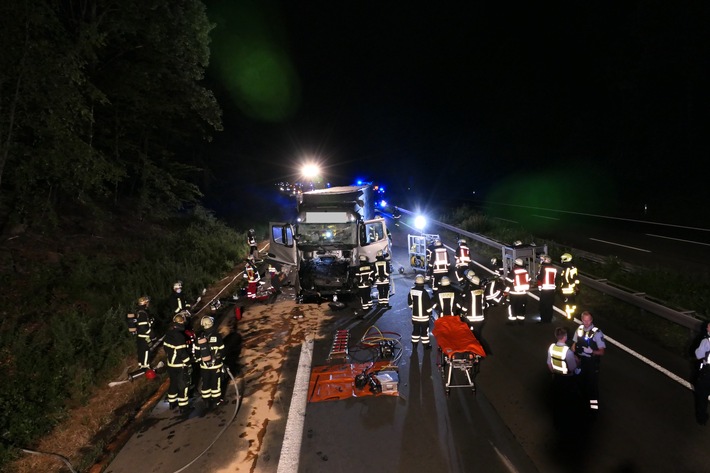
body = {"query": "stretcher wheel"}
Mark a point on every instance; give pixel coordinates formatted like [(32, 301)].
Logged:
[(448, 392)]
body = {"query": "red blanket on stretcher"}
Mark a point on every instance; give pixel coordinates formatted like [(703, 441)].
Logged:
[(454, 336)]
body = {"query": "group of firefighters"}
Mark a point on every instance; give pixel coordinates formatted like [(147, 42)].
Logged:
[(188, 351)]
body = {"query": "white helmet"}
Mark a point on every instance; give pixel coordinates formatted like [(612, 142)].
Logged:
[(143, 300), (419, 279), (363, 259), (546, 259), (566, 258), (470, 274), (519, 262), (445, 281), (207, 322), (437, 243), (179, 318), (462, 242), (177, 285), (517, 243)]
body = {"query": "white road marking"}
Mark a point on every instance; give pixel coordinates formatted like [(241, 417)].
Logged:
[(545, 216), (678, 239), (505, 220), (293, 435), (619, 244)]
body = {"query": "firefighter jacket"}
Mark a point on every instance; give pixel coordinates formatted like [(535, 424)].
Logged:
[(211, 349), (382, 270), (447, 300), (462, 256), (144, 325), (546, 277), (472, 303), (251, 274), (175, 344), (494, 291), (439, 263), (569, 280), (251, 240), (420, 302), (364, 276), (561, 359), (178, 303), (521, 281), (592, 338)]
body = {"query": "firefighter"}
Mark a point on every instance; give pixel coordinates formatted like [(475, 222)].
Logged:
[(364, 280), (179, 361), (383, 269), (494, 290), (420, 302), (396, 215), (473, 304), (546, 277), (439, 265), (144, 332), (702, 383), (588, 344), (211, 350), (569, 285), (253, 248), (562, 363), (497, 267), (462, 259), (518, 292), (447, 300), (177, 301)]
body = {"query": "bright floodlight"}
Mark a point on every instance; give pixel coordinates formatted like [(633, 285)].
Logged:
[(419, 222), (310, 171)]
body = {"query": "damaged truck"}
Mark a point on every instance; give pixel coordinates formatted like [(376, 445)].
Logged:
[(321, 250)]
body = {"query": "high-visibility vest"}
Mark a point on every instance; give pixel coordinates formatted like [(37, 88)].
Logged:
[(441, 260), (420, 303), (521, 281), (558, 355), (548, 275), (463, 258)]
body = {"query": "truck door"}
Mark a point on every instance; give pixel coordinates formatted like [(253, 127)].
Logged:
[(373, 238), (282, 245)]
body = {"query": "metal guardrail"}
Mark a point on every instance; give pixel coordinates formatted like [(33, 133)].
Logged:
[(684, 318)]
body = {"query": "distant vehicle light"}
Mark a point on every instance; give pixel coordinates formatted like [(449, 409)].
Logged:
[(383, 203)]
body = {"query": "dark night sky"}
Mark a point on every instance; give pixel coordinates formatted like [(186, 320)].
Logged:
[(596, 103)]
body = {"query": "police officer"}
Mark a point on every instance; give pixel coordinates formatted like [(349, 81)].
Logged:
[(177, 300), (546, 277), (144, 332), (562, 363), (447, 300), (462, 259), (588, 344), (518, 292), (569, 285), (383, 270), (702, 383), (178, 358), (364, 280), (473, 305), (251, 242), (211, 349), (420, 302), (439, 264)]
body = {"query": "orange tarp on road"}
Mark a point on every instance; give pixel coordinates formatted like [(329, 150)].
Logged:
[(454, 336), (337, 382)]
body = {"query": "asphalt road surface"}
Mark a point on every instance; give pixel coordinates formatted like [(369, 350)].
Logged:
[(645, 422)]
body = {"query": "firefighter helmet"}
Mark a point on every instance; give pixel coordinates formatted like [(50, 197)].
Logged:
[(546, 259), (517, 243), (180, 317), (470, 274), (566, 258), (363, 259), (177, 285), (445, 281), (207, 322), (143, 300), (419, 279), (519, 262), (216, 305), (437, 243), (494, 261), (462, 242), (379, 253)]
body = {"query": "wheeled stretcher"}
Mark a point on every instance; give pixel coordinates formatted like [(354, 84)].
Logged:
[(459, 350)]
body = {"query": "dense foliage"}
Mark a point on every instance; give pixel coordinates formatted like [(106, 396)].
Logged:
[(100, 101)]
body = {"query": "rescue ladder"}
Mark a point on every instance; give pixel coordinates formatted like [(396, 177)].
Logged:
[(340, 345)]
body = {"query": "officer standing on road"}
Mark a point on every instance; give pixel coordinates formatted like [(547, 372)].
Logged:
[(177, 300), (563, 365), (546, 277), (462, 259), (364, 279), (447, 300), (178, 357), (439, 265), (473, 304), (518, 293), (588, 344), (569, 285), (211, 349), (251, 242), (383, 270), (702, 384), (420, 302)]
